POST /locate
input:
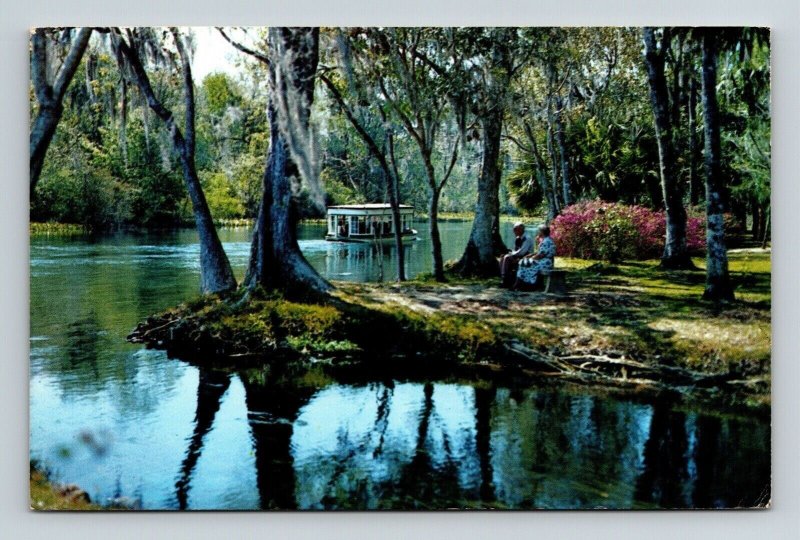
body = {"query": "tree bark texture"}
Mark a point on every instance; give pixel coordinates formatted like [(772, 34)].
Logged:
[(718, 285), (50, 97), (479, 258), (675, 253)]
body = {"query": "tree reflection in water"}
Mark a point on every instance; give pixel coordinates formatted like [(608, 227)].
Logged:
[(434, 445), (211, 387), (272, 409)]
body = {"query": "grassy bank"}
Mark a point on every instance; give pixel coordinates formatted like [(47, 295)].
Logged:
[(629, 325), (56, 229)]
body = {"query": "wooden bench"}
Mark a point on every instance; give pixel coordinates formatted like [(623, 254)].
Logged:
[(555, 282)]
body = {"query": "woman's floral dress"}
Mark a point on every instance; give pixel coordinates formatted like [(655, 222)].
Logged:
[(529, 269)]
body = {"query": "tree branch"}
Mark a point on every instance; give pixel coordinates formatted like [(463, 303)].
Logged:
[(365, 136), (43, 91), (403, 117), (453, 160), (71, 63), (261, 57), (188, 90), (142, 80), (518, 143)]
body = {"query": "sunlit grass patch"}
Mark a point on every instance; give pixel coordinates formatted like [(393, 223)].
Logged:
[(719, 344)]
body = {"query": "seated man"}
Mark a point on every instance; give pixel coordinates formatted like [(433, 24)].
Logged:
[(523, 245), (532, 266)]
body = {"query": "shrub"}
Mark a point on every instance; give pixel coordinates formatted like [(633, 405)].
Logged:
[(614, 231)]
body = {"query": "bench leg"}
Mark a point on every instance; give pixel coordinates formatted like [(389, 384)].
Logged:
[(555, 284)]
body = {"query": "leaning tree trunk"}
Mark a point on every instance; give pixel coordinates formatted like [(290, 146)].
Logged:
[(216, 275), (675, 255), (50, 98), (276, 262), (433, 216), (484, 243), (718, 285)]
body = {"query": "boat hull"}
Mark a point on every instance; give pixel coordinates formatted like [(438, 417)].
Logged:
[(407, 237)]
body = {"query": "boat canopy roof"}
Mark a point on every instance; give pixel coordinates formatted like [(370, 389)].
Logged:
[(371, 209)]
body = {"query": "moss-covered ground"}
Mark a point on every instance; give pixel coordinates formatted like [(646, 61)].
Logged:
[(46, 496)]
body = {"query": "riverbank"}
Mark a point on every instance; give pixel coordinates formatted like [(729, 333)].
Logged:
[(76, 229), (630, 327), (45, 495)]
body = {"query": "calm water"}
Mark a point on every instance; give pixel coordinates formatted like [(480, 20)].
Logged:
[(121, 420)]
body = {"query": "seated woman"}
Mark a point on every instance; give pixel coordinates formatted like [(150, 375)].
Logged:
[(532, 266)]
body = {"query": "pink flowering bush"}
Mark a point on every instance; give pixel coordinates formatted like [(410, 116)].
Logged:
[(614, 231)]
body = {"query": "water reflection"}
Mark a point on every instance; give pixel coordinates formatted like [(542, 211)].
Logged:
[(212, 385), (437, 446), (272, 411)]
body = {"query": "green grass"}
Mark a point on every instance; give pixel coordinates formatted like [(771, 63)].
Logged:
[(633, 308)]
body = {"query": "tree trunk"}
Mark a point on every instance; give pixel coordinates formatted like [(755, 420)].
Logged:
[(485, 242), (50, 98), (123, 120), (562, 150), (216, 275), (541, 176), (276, 262), (675, 253), (554, 175), (393, 190), (483, 245), (765, 219), (756, 209), (694, 180), (436, 241), (433, 216), (718, 285)]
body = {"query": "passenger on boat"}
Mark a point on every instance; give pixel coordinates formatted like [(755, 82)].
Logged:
[(523, 245)]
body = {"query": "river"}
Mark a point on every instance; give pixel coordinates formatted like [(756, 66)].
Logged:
[(120, 420)]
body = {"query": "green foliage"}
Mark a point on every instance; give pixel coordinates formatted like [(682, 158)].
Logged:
[(221, 197), (106, 169), (104, 173), (220, 93)]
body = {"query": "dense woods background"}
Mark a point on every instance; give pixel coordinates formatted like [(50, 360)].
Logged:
[(578, 104)]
